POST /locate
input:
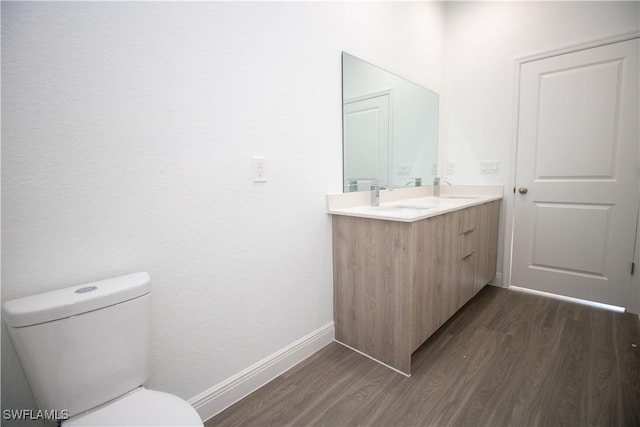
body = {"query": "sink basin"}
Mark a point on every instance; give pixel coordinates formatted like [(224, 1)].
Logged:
[(453, 196), (402, 208)]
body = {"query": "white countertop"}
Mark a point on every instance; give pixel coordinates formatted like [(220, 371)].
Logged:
[(412, 204)]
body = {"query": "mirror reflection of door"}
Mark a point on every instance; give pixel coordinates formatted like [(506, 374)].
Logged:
[(403, 131), (367, 122)]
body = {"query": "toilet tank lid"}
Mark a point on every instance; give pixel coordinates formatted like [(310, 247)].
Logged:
[(75, 300)]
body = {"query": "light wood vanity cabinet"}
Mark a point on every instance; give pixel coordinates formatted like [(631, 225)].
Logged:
[(396, 283), (487, 254)]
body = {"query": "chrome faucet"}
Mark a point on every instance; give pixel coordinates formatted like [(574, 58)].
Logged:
[(436, 185), (375, 193)]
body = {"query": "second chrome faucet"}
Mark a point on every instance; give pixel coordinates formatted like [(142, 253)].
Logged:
[(436, 185), (375, 192)]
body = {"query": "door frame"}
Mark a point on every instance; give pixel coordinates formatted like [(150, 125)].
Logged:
[(509, 197)]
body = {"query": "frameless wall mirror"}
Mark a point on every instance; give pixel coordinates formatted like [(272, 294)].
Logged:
[(390, 128)]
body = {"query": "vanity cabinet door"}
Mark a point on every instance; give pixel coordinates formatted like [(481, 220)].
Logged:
[(487, 246), (449, 300), (466, 278), (427, 285)]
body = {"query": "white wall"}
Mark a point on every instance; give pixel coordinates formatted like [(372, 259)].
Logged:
[(128, 130), (482, 41)]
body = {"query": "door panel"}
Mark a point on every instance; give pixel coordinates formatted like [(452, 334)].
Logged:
[(577, 124), (571, 237), (577, 165)]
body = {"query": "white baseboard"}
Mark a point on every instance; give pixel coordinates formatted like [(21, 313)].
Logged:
[(221, 396), (497, 281)]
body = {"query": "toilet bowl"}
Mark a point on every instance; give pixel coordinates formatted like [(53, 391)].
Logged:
[(139, 407), (85, 352)]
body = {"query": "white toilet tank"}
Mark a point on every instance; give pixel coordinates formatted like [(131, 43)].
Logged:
[(84, 345)]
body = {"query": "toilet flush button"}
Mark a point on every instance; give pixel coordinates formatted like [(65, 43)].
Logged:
[(86, 289)]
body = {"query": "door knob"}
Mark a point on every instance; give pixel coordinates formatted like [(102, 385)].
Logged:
[(523, 190)]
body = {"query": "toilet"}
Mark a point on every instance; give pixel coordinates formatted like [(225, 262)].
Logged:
[(85, 352)]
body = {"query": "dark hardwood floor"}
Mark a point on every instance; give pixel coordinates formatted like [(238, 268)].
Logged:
[(505, 359)]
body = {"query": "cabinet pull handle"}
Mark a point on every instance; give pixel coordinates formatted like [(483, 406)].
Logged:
[(467, 256)]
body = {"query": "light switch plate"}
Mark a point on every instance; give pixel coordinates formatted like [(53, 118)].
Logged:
[(451, 169), (490, 167)]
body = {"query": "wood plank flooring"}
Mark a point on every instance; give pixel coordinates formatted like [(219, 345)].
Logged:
[(505, 359)]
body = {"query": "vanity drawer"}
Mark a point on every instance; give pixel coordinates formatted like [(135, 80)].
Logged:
[(466, 244), (467, 220)]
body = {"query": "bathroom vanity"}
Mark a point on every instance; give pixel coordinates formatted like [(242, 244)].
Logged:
[(403, 268)]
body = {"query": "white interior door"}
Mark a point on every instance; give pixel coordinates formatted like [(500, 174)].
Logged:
[(577, 187), (366, 137)]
